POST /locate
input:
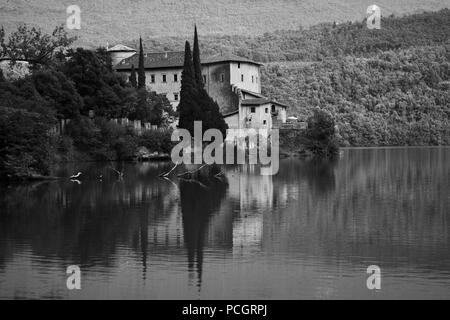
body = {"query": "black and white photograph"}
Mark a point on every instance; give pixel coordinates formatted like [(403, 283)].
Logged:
[(236, 151)]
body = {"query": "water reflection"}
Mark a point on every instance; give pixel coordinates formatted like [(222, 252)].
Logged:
[(308, 232), (198, 203)]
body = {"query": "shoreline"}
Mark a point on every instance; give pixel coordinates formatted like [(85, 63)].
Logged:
[(396, 147), (283, 155)]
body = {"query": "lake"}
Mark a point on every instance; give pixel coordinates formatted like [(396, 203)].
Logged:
[(310, 232)]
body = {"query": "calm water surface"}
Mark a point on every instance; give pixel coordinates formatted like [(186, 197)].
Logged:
[(309, 232)]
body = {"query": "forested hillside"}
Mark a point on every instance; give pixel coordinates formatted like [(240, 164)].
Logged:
[(118, 20), (393, 98), (323, 41), (384, 87)]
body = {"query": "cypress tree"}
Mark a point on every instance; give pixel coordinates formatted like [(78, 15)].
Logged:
[(209, 111), (141, 71), (197, 63), (188, 110), (195, 103), (132, 78)]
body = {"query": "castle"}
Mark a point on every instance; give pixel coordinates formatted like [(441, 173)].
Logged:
[(233, 81)]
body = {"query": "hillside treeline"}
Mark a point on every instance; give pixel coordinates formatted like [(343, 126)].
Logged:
[(324, 40)]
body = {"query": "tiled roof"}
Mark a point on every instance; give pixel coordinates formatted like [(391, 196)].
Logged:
[(259, 102), (228, 57), (121, 47), (175, 59), (230, 113), (154, 60), (255, 94), (255, 102), (279, 103)]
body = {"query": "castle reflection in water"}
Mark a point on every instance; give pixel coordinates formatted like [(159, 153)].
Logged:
[(384, 206)]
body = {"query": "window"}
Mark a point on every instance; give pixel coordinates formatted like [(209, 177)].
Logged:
[(267, 110), (164, 78), (253, 79), (204, 78), (273, 108), (242, 77), (252, 109), (256, 79), (175, 96), (175, 77), (222, 77), (152, 78), (239, 65), (264, 121)]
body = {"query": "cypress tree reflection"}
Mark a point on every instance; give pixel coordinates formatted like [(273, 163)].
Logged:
[(199, 200)]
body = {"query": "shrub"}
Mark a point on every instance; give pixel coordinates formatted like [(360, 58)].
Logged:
[(321, 139), (86, 136), (26, 149), (157, 140)]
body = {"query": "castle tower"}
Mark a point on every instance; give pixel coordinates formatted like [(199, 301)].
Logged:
[(120, 52)]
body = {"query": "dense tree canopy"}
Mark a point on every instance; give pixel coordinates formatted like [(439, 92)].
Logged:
[(103, 91), (320, 134), (22, 94), (395, 98), (26, 145), (32, 45), (150, 107), (68, 85), (59, 91)]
